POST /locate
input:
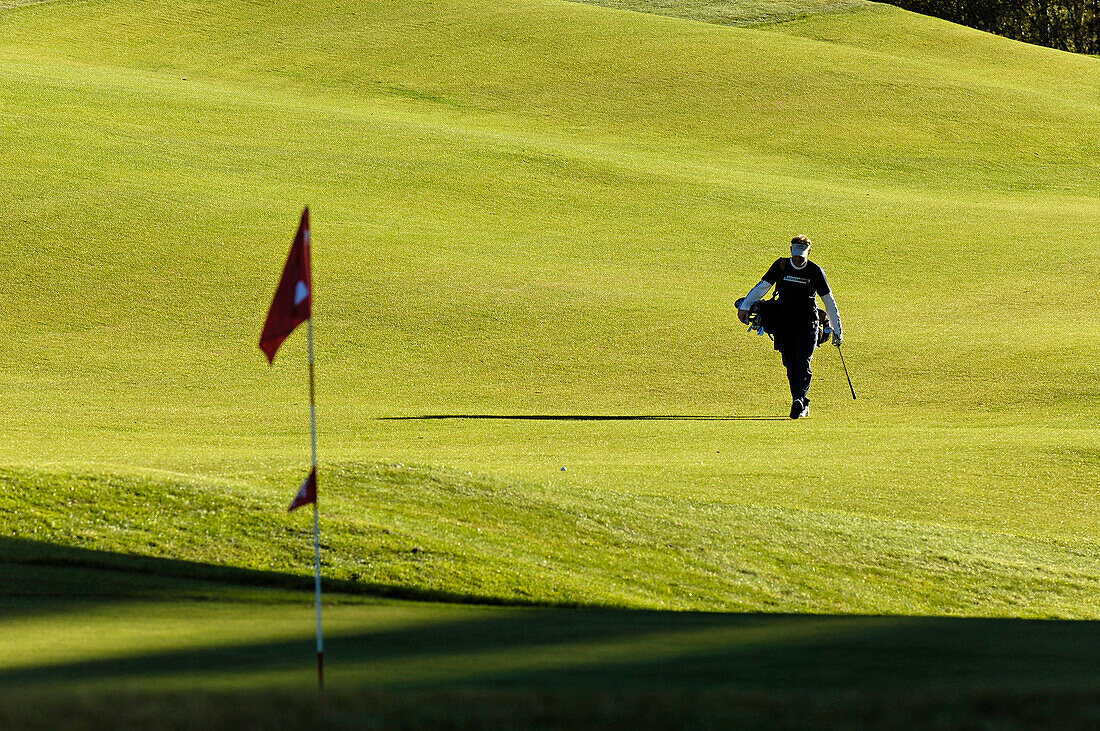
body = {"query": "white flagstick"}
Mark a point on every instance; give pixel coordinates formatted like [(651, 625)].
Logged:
[(316, 519)]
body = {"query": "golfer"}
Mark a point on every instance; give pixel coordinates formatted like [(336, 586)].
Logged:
[(796, 281)]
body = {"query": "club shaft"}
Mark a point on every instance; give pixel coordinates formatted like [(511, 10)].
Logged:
[(846, 372)]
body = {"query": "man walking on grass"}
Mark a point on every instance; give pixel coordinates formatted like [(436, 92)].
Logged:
[(796, 281)]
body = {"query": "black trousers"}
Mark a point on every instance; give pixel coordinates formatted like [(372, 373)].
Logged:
[(797, 344)]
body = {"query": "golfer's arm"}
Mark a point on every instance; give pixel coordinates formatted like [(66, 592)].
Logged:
[(832, 312), (755, 294)]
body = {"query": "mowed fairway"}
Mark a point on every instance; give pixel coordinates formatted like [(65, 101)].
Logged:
[(531, 221)]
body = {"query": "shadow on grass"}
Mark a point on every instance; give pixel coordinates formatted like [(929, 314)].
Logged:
[(580, 417), (42, 571), (564, 650), (603, 650)]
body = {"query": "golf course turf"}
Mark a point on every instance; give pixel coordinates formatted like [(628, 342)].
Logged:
[(555, 482)]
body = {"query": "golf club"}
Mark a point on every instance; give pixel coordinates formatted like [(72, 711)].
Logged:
[(846, 371)]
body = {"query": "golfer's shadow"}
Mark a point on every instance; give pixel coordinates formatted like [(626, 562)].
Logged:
[(581, 417)]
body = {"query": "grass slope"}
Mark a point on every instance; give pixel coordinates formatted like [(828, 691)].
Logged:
[(737, 12), (541, 209), (433, 533)]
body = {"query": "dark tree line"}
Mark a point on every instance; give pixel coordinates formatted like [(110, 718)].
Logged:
[(1070, 25)]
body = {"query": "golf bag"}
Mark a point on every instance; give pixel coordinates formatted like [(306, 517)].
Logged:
[(765, 318), (823, 328)]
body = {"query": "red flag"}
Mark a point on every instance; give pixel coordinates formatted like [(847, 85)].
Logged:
[(307, 493), (293, 301)]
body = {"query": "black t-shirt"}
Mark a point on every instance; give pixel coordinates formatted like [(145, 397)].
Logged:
[(797, 287)]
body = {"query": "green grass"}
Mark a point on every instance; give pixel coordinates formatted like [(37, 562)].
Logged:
[(424, 533), (206, 645), (737, 12), (533, 209)]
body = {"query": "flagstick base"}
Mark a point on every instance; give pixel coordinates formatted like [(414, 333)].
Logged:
[(320, 671)]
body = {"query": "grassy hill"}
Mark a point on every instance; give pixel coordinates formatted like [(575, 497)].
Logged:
[(737, 12), (531, 219)]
